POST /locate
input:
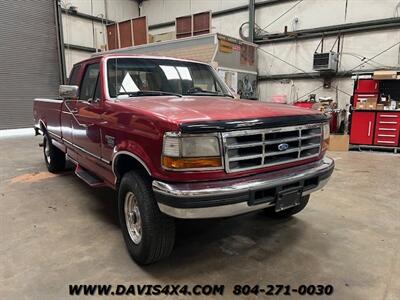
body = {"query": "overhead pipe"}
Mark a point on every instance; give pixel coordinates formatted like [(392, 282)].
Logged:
[(333, 30)]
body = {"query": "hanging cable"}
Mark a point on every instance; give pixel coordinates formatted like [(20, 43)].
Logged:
[(288, 63), (337, 38), (347, 72), (283, 14), (373, 57), (301, 70), (321, 41)]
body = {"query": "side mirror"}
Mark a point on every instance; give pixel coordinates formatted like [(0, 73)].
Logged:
[(68, 91)]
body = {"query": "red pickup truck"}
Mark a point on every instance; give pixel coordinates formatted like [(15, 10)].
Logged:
[(168, 135)]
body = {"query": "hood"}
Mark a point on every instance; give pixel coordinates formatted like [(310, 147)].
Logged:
[(208, 109)]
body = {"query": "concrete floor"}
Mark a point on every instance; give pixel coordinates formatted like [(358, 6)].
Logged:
[(56, 231)]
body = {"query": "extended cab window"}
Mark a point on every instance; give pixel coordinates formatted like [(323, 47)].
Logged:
[(73, 77), (89, 82)]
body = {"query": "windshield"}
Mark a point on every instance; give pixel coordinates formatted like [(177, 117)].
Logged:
[(144, 76)]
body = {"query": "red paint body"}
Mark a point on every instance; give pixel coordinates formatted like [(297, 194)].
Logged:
[(362, 128), (138, 125), (308, 105), (367, 86)]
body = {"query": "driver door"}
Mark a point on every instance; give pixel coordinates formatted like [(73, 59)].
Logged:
[(86, 113)]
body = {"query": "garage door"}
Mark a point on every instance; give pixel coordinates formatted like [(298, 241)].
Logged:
[(29, 61)]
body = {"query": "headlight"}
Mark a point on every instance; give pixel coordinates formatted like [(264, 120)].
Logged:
[(326, 134), (183, 153)]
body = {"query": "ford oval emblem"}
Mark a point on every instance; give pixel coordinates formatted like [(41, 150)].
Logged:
[(283, 147)]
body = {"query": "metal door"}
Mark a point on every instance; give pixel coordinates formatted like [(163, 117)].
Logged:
[(29, 59)]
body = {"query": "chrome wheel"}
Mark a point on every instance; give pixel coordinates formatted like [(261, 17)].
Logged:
[(133, 220), (47, 151)]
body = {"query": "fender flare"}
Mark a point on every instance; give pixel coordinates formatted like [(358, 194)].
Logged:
[(124, 152)]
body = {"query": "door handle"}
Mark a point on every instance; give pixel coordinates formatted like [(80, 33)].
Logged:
[(369, 128)]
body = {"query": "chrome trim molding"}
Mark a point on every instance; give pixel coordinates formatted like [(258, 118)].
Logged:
[(229, 187), (211, 212), (53, 134), (86, 151), (48, 100), (72, 159), (117, 153), (234, 186)]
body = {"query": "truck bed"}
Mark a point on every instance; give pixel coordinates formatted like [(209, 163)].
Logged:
[(48, 112)]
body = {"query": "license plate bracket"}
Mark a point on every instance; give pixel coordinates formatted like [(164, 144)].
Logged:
[(288, 198)]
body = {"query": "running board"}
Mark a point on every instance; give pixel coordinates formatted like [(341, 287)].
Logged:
[(87, 177)]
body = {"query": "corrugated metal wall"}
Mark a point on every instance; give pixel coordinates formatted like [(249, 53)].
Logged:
[(29, 61)]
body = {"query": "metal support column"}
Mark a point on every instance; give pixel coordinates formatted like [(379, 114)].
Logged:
[(252, 20)]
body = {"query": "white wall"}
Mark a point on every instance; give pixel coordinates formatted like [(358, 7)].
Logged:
[(79, 31), (309, 14), (159, 11)]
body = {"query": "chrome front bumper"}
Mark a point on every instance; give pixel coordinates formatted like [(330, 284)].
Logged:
[(224, 198)]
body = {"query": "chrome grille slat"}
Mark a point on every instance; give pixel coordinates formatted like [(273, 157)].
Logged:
[(244, 145), (245, 157), (310, 136), (310, 146), (282, 152), (253, 149), (281, 141)]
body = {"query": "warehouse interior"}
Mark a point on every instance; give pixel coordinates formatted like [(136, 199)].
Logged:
[(339, 57)]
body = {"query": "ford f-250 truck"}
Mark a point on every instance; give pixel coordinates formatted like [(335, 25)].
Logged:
[(168, 135)]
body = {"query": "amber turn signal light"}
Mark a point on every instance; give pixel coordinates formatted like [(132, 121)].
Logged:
[(325, 144), (178, 163)]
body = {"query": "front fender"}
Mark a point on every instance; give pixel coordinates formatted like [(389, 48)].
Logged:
[(136, 151)]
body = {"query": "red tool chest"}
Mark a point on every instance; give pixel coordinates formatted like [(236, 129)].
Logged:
[(367, 86), (379, 128), (362, 128), (387, 129)]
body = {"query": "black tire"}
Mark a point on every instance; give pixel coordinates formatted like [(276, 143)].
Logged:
[(53, 157), (283, 214), (157, 236)]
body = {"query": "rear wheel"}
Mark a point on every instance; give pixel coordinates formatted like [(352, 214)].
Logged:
[(53, 157), (283, 214), (149, 234)]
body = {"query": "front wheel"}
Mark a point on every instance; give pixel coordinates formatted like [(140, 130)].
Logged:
[(283, 214), (149, 234)]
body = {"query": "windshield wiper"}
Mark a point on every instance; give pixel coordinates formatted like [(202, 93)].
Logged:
[(208, 93), (148, 93)]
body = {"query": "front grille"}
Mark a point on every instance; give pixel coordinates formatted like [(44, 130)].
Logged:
[(253, 149)]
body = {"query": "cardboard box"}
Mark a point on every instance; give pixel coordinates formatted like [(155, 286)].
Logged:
[(361, 105), (371, 103), (382, 75), (339, 142), (367, 102)]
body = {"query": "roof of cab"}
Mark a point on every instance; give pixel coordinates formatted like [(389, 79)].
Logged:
[(122, 55)]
